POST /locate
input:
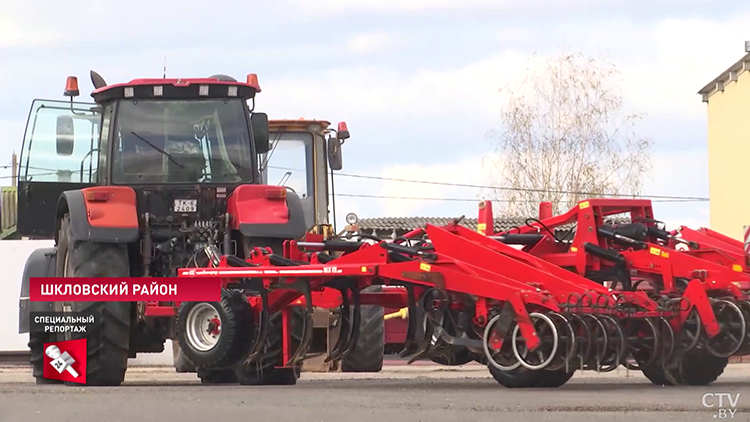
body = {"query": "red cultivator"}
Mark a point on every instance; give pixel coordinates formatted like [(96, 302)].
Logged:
[(533, 307)]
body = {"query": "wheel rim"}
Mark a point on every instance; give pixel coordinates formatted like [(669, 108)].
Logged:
[(203, 327)]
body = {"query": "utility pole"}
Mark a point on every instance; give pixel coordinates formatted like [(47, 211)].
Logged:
[(14, 170)]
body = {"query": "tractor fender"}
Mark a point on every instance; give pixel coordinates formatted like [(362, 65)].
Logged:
[(41, 263), (104, 214), (260, 211)]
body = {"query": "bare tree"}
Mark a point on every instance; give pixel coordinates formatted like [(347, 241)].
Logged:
[(566, 138)]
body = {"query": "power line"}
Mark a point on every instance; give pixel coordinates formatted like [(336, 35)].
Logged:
[(354, 195), (467, 185)]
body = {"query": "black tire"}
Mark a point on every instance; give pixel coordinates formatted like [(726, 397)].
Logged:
[(554, 379), (517, 378), (367, 355), (700, 367), (221, 376), (108, 344), (264, 370), (181, 363), (524, 378), (236, 332), (450, 355), (36, 356), (655, 373)]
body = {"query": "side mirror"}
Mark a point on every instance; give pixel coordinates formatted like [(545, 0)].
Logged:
[(335, 159), (65, 135), (259, 122)]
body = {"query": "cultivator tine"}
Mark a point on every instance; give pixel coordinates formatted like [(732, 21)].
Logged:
[(618, 344), (584, 339), (344, 328), (307, 329), (567, 342), (411, 323), (424, 346), (262, 334), (667, 341), (600, 342), (641, 344), (356, 320)]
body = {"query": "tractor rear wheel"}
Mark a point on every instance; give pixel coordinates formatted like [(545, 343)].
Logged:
[(265, 370), (107, 344), (368, 353)]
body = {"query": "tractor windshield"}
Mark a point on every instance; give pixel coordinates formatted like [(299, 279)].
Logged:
[(182, 141)]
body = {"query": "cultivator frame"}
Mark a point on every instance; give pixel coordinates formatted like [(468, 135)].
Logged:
[(611, 295)]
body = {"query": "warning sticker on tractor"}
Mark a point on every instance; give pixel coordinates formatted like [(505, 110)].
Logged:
[(425, 267), (658, 252)]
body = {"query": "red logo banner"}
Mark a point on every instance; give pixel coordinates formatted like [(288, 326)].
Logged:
[(65, 361), (135, 289)]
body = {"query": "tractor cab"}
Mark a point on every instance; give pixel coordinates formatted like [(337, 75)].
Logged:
[(299, 156), (194, 137)]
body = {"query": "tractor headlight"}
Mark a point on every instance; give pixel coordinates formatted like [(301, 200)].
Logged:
[(351, 218)]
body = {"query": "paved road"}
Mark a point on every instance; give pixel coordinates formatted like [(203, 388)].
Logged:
[(417, 393)]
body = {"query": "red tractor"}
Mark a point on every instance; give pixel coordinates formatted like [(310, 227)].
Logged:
[(138, 184)]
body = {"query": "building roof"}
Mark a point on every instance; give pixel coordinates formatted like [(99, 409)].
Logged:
[(729, 75), (411, 223)]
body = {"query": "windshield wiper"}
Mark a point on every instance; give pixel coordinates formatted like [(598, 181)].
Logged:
[(158, 149)]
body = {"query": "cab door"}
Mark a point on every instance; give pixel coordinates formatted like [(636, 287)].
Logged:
[(60, 152)]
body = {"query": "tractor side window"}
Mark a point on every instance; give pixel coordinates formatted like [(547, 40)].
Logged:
[(61, 143), (290, 162)]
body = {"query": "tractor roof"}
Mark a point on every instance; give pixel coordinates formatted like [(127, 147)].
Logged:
[(298, 125), (179, 88)]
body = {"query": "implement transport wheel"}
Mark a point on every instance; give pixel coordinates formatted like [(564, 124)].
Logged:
[(700, 367), (656, 374), (108, 344), (265, 370), (524, 378), (215, 334), (181, 362), (221, 376), (368, 353), (452, 355)]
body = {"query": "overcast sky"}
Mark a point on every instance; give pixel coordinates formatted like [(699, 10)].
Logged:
[(416, 80)]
